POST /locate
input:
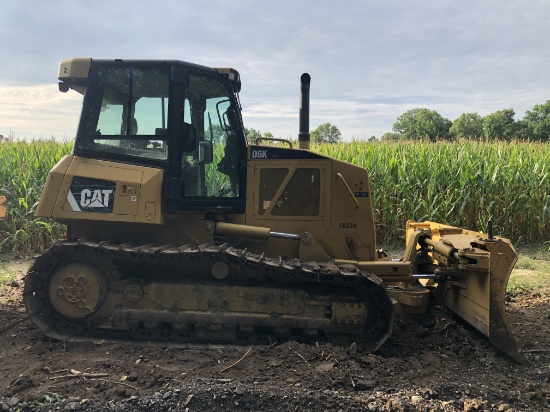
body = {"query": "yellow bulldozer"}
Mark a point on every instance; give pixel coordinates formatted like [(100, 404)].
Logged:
[(179, 230)]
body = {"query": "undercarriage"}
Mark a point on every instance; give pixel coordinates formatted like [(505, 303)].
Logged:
[(82, 290)]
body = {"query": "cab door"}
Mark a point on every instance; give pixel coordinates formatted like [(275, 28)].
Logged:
[(208, 161)]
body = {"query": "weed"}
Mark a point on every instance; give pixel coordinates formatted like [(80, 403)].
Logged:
[(529, 276), (6, 276), (525, 262)]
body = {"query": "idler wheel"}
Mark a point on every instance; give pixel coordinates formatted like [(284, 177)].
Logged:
[(77, 290)]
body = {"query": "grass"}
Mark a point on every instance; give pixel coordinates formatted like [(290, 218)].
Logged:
[(532, 271), (6, 275), (539, 251), (522, 283)]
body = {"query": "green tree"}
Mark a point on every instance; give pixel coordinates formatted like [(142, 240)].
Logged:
[(251, 135), (467, 125), (216, 133), (326, 133), (389, 137), (500, 125), (537, 122), (420, 123)]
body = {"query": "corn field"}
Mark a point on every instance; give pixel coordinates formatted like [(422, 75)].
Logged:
[(465, 184), (23, 171)]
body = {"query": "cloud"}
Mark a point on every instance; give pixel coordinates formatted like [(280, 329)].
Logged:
[(38, 112)]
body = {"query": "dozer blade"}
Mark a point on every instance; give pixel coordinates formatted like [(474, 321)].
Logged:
[(471, 276)]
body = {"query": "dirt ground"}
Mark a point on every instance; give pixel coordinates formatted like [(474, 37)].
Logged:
[(431, 363)]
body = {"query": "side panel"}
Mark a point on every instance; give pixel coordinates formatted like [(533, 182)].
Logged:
[(352, 234), (51, 189), (87, 189), (328, 198)]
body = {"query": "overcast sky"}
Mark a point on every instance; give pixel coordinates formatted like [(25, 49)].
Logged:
[(370, 61)]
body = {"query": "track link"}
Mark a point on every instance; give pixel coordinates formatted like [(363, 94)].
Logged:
[(67, 301)]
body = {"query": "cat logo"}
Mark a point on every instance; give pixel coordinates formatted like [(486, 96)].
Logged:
[(97, 198), (91, 195)]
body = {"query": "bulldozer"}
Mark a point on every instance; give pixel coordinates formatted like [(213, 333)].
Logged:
[(178, 229)]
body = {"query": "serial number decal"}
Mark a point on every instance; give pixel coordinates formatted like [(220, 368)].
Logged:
[(347, 225)]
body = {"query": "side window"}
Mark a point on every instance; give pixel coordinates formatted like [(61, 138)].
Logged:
[(299, 197)]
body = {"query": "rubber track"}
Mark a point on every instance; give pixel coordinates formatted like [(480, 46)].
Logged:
[(376, 330)]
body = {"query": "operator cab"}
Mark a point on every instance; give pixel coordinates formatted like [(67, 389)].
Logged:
[(177, 116)]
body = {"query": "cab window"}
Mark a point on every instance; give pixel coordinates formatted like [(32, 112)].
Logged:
[(128, 112)]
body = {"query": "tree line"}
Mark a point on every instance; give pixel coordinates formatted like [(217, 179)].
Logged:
[(324, 133), (425, 124)]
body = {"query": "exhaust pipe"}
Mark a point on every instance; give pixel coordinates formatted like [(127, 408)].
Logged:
[(303, 134)]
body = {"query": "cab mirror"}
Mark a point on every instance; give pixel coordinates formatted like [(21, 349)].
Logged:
[(206, 152)]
